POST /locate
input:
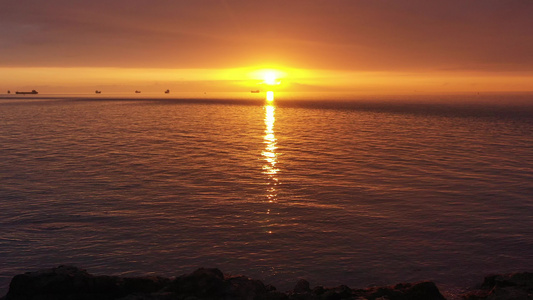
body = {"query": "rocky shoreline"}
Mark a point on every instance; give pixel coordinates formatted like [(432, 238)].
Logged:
[(72, 283)]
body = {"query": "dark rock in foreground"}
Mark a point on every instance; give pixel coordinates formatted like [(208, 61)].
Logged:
[(518, 286), (69, 283)]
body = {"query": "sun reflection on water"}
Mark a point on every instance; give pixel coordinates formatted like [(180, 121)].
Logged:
[(270, 161), (269, 153), (270, 96)]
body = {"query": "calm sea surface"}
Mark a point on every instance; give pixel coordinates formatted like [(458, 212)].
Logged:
[(338, 192)]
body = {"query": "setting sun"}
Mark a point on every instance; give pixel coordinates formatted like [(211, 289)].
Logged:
[(270, 78)]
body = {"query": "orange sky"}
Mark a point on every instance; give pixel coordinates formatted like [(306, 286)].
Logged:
[(361, 46)]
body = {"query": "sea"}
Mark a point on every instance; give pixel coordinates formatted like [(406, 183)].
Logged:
[(352, 190)]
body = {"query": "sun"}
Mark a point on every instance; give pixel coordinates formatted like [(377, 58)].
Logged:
[(271, 78), (266, 78)]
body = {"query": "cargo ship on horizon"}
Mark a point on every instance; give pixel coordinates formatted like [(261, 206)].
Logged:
[(33, 92)]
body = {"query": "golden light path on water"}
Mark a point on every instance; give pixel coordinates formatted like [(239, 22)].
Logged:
[(269, 154)]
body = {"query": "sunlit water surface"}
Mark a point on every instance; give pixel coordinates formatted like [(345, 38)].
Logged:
[(335, 192)]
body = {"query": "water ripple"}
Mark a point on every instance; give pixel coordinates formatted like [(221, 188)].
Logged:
[(336, 193)]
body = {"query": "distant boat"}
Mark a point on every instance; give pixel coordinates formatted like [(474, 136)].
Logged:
[(167, 91), (255, 92), (137, 92), (97, 92), (33, 92), (8, 91)]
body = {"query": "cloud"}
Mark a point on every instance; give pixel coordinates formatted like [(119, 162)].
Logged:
[(355, 35)]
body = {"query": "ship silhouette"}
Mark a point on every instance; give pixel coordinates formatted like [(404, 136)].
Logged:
[(33, 92)]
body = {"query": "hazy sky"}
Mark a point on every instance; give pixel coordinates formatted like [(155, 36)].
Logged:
[(485, 38)]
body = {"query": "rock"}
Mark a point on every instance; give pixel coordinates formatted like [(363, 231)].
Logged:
[(63, 282), (330, 295), (272, 295), (270, 288), (336, 293), (144, 285), (319, 290), (211, 284), (201, 283), (425, 290), (302, 287), (68, 282), (246, 288), (516, 286), (422, 290), (380, 292), (343, 291), (71, 283)]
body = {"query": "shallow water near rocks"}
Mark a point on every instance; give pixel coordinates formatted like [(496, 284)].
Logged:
[(336, 192)]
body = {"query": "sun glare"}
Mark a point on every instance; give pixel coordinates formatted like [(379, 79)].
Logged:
[(267, 76), (270, 78)]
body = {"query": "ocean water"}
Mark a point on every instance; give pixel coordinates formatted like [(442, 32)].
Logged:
[(366, 192)]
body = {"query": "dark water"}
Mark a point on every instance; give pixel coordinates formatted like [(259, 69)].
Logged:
[(355, 193)]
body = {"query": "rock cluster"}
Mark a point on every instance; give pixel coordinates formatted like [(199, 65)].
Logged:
[(71, 283)]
